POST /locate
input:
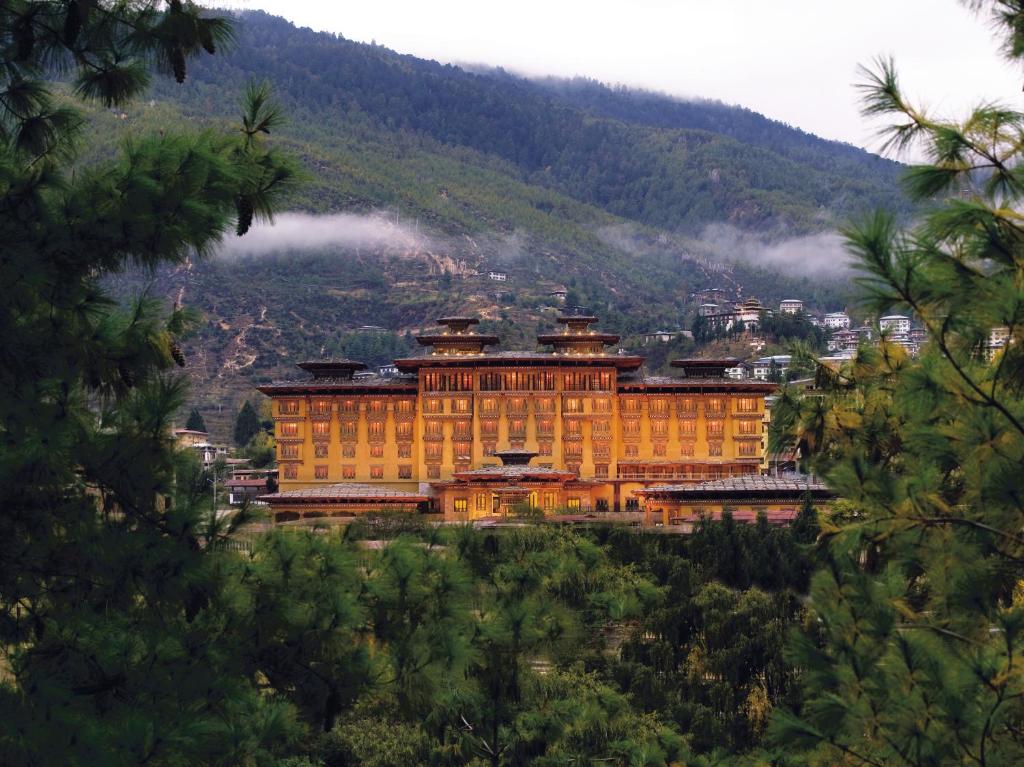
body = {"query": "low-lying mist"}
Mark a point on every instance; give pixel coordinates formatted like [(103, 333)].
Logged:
[(304, 231)]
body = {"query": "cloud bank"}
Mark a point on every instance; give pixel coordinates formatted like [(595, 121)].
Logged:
[(303, 231)]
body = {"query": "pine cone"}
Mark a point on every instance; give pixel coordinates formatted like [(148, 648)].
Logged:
[(178, 63), (177, 354), (245, 214)]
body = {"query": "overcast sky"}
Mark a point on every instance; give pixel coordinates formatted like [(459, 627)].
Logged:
[(793, 60)]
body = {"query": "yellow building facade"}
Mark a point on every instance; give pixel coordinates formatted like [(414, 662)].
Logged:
[(581, 407)]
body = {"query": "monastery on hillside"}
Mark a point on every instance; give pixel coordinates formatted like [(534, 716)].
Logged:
[(471, 432)]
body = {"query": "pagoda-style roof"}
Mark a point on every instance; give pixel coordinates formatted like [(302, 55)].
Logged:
[(577, 335), (341, 493), (457, 338), (706, 368), (332, 369), (520, 359), (748, 486)]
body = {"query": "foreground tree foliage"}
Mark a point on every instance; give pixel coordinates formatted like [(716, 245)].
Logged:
[(114, 621), (919, 630)]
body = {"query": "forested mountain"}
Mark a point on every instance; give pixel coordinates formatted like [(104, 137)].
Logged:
[(559, 184), (642, 156)]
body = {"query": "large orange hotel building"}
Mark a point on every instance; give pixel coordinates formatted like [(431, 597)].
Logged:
[(470, 432)]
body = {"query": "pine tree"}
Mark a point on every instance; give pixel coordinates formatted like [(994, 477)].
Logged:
[(195, 421), (118, 613), (918, 630), (247, 424)]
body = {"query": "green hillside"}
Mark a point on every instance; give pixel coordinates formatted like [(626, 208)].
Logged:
[(557, 184)]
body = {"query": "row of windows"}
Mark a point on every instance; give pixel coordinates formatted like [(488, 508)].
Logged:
[(292, 451), (485, 502), (489, 406), (518, 381), (346, 406), (348, 471)]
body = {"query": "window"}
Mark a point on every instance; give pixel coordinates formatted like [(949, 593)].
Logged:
[(534, 500), (572, 466), (517, 427), (288, 407), (404, 407), (463, 450), (375, 430), (403, 431), (660, 450), (550, 501), (320, 450), (376, 406), (602, 405), (321, 429), (405, 451), (714, 405), (630, 405), (686, 405), (544, 448), (715, 428), (545, 426), (686, 449), (715, 448), (572, 426), (747, 449), (602, 427), (572, 449), (288, 429), (545, 405), (376, 451), (488, 406), (434, 472), (461, 505), (517, 405), (349, 430), (289, 451), (433, 429), (631, 427), (481, 502), (572, 504), (320, 407), (405, 471), (601, 449), (687, 428), (349, 406), (632, 451), (489, 428), (746, 405), (601, 470), (348, 471), (463, 430), (658, 407), (462, 405), (433, 406), (748, 428), (448, 381), (291, 471), (432, 450), (659, 429), (376, 472), (572, 405), (320, 472), (348, 451)]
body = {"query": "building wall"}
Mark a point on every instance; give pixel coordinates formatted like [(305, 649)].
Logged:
[(574, 417)]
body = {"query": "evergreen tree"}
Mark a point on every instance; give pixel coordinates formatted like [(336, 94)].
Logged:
[(195, 421), (247, 424), (116, 610), (918, 623)]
